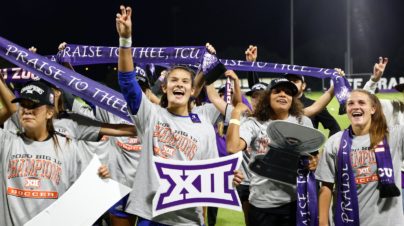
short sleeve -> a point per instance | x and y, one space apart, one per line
326 169
209 111
146 111
248 131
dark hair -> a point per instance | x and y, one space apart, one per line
51 130
164 100
378 129
398 106
263 110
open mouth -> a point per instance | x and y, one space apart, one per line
178 93
357 114
282 101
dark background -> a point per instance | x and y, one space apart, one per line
230 25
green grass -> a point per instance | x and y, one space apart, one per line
342 120
233 218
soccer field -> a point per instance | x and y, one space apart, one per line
233 218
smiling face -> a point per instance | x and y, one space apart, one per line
360 110
281 99
179 88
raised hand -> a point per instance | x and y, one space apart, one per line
251 53
124 22
62 46
231 74
32 49
210 48
241 109
378 68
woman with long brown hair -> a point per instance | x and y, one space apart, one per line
362 166
38 164
272 203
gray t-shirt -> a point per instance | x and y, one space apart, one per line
246 161
34 174
265 193
72 125
393 116
209 110
172 137
373 210
124 151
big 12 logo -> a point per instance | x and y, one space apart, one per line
196 183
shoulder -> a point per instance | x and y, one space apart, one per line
251 121
8 134
306 121
334 140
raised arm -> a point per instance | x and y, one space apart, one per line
152 97
215 98
117 130
237 87
251 55
61 47
323 101
320 103
199 79
378 70
234 143
130 88
124 29
199 83
6 96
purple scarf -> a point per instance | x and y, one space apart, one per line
402 180
307 211
64 78
347 210
86 55
193 55
341 84
221 143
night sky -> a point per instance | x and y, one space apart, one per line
230 25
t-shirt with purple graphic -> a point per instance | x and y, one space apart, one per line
265 193
34 174
168 136
373 210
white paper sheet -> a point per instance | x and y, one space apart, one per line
86 200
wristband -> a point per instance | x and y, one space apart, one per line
125 42
372 78
234 121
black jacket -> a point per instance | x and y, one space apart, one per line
324 117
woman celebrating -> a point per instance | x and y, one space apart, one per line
272 203
168 131
38 165
364 164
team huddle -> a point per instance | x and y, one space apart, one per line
48 137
